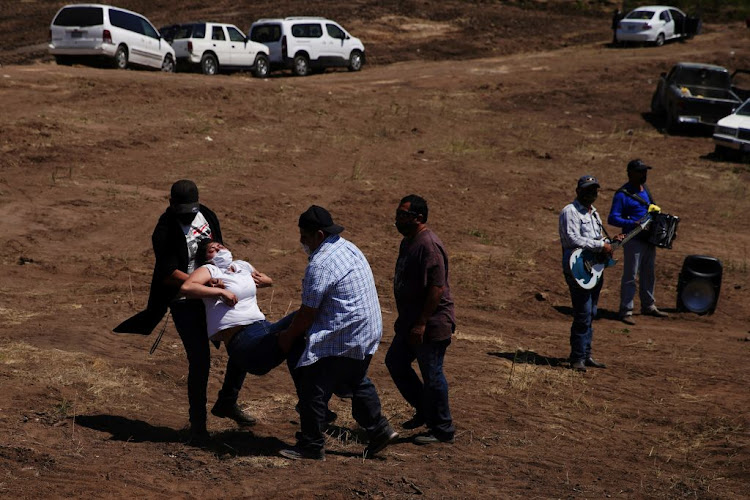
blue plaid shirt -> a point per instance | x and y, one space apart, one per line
338 283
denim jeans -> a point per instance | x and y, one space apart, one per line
345 377
190 321
255 349
584 310
639 258
428 396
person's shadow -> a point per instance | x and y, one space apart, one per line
600 313
530 358
234 442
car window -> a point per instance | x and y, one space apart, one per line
335 32
703 77
664 16
264 33
217 33
235 35
147 29
80 16
744 110
125 20
307 30
641 14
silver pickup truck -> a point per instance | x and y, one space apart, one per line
696 94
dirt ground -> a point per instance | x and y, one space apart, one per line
493 138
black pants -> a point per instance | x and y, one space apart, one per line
345 377
190 320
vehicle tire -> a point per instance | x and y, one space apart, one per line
301 66
121 57
262 66
209 64
168 65
656 105
355 61
659 40
672 125
721 152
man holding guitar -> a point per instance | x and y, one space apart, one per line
581 228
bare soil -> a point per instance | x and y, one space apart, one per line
489 111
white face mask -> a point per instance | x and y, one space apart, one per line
306 249
222 259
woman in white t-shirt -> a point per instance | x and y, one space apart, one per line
232 312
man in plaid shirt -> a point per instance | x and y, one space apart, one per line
342 325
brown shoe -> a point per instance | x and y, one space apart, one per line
653 311
627 318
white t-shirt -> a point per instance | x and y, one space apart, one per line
238 280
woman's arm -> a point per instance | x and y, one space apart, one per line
261 280
195 287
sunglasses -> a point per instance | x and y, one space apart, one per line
403 214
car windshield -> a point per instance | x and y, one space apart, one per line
197 30
640 14
744 110
79 16
704 78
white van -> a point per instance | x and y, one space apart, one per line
305 44
119 35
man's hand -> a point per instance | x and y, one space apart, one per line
228 297
416 334
216 283
607 249
619 237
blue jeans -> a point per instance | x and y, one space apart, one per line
639 259
255 348
584 310
345 377
428 396
190 321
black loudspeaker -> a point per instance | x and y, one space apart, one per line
699 284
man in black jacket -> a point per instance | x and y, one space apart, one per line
175 240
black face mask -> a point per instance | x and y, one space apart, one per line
588 199
406 228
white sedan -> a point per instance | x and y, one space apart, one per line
656 24
733 132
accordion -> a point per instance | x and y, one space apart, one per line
663 230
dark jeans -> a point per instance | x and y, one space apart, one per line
428 396
256 348
345 377
190 320
584 310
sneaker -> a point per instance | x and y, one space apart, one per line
432 439
379 442
297 453
653 311
234 412
627 318
414 422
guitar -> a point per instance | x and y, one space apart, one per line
587 267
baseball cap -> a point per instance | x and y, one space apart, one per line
184 197
587 181
637 165
315 218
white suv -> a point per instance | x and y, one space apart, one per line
216 46
308 43
93 30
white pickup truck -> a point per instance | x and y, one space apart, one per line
215 47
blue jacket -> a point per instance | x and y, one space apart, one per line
626 211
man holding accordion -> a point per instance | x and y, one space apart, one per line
629 205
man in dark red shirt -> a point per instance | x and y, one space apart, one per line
425 323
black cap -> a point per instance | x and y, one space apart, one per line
315 218
184 197
587 181
638 166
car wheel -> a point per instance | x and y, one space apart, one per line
659 40
301 66
655 104
355 61
121 57
672 125
64 60
209 65
168 65
721 152
262 67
